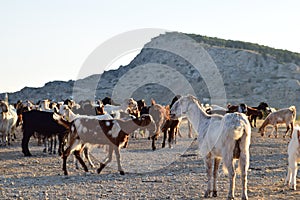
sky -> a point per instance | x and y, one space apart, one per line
42 41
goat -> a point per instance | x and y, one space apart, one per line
43 123
171 126
44 105
49 140
253 114
71 103
141 104
264 107
160 115
21 107
85 108
220 137
8 121
170 129
67 114
128 106
241 108
293 158
215 109
285 115
114 133
108 100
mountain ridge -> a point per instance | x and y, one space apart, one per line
249 76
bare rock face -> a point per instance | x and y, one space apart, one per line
174 63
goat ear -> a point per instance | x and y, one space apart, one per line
153 102
4 107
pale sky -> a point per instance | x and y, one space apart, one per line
42 41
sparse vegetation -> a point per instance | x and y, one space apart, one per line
283 56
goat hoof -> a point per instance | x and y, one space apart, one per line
122 172
100 168
66 173
207 194
215 194
27 155
153 148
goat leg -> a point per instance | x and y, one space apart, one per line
164 139
153 142
118 156
25 142
65 165
77 155
209 168
106 160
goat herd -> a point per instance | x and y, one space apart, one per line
223 133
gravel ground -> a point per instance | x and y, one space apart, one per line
177 173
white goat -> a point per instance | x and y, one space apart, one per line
44 105
127 105
220 137
294 158
8 121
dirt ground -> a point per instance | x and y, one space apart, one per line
177 173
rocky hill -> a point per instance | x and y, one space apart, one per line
176 63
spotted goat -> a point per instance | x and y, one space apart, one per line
114 133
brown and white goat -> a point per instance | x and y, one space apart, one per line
114 133
294 158
283 116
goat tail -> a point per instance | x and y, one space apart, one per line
293 110
239 147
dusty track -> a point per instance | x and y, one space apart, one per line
41 177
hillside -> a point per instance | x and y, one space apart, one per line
221 71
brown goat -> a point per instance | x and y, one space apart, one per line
283 116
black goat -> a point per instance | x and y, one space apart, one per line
44 124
